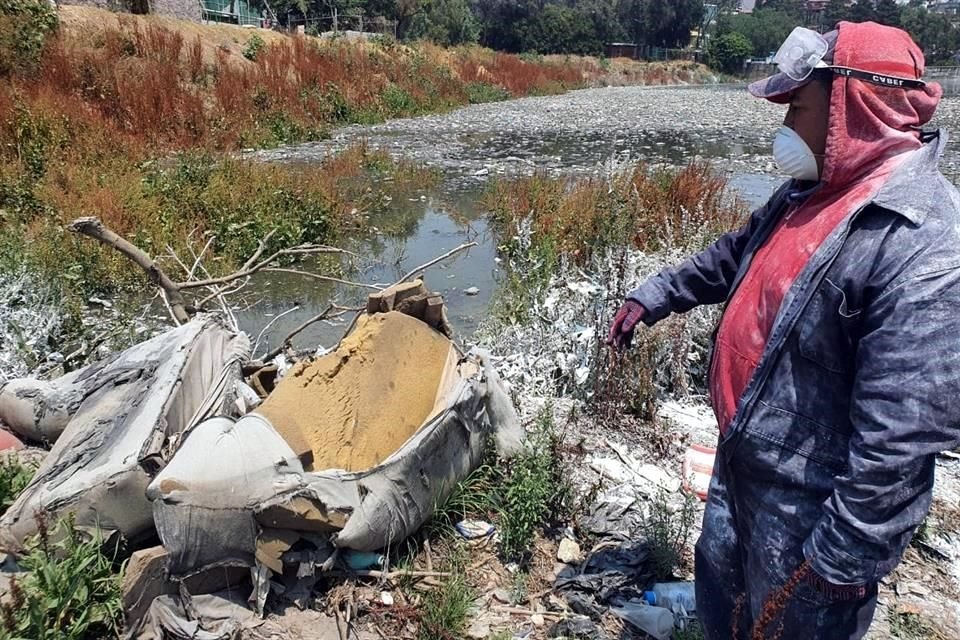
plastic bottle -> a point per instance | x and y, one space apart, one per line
656 621
364 559
672 596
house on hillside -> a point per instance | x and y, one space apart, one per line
950 8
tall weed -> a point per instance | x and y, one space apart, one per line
70 591
14 478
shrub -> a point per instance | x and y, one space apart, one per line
667 532
14 478
444 611
480 92
25 26
729 51
254 44
534 487
69 593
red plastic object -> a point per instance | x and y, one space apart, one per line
9 441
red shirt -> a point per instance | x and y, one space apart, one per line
749 317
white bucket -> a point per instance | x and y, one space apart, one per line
698 469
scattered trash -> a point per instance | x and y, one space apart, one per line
364 559
349 453
538 620
679 597
615 514
698 469
580 628
386 598
656 621
472 291
473 529
568 551
609 574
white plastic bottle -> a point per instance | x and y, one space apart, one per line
672 596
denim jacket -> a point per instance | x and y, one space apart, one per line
858 388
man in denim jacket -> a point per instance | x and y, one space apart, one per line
835 375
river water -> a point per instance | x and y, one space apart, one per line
584 132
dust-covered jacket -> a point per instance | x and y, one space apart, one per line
858 388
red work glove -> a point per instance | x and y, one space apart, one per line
621 330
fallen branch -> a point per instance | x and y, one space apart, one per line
247 271
256 343
517 611
324 315
427 265
94 228
316 276
385 575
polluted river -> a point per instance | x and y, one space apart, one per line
583 133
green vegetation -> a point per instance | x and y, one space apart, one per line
912 626
69 593
254 45
767 26
667 532
444 612
520 495
14 477
534 487
520 26
693 631
729 51
24 27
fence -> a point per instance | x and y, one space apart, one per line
240 12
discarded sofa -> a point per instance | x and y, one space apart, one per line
121 420
351 451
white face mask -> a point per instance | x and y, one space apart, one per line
793 156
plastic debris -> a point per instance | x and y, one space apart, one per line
580 628
656 621
679 597
473 529
364 559
568 551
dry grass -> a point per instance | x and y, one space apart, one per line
125 116
645 209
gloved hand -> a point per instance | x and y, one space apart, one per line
621 330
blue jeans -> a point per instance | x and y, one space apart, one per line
750 548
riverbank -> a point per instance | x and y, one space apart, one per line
114 105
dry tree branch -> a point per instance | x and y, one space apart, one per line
92 227
316 276
429 264
273 321
332 311
263 264
412 273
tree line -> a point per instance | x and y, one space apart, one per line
520 26
585 26
758 34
